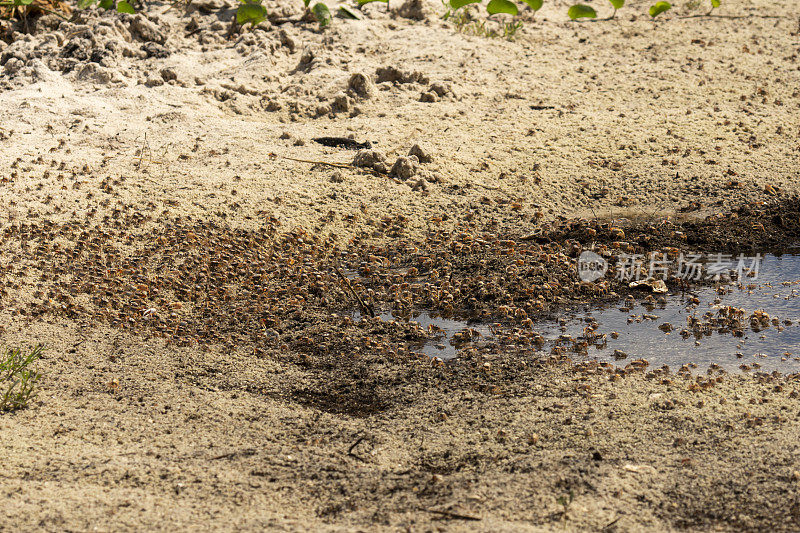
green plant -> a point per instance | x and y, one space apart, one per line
122 6
17 380
493 26
349 13
714 5
583 11
250 11
322 14
535 5
565 501
658 8
579 11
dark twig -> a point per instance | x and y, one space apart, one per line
452 515
709 15
244 453
353 447
364 307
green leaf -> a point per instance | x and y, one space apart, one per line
363 2
252 13
502 6
458 4
322 13
22 2
83 4
536 5
715 3
659 7
107 4
125 7
581 11
349 13
617 3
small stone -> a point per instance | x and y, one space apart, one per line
287 41
285 135
13 65
405 167
361 85
428 98
146 30
340 104
154 82
421 153
414 10
307 59
440 89
395 75
169 74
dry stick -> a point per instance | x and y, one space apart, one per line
704 15
452 515
353 447
364 307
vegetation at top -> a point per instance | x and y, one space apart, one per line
502 16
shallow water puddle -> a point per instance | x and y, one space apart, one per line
662 334
704 326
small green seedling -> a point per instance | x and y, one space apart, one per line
349 13
322 14
535 5
17 380
458 4
617 4
579 11
122 6
251 11
714 5
658 8
565 501
364 2
490 27
507 7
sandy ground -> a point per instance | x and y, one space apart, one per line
128 127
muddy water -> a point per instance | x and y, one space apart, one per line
638 330
765 347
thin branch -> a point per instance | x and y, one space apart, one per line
710 15
452 515
364 307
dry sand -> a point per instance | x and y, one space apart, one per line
171 119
